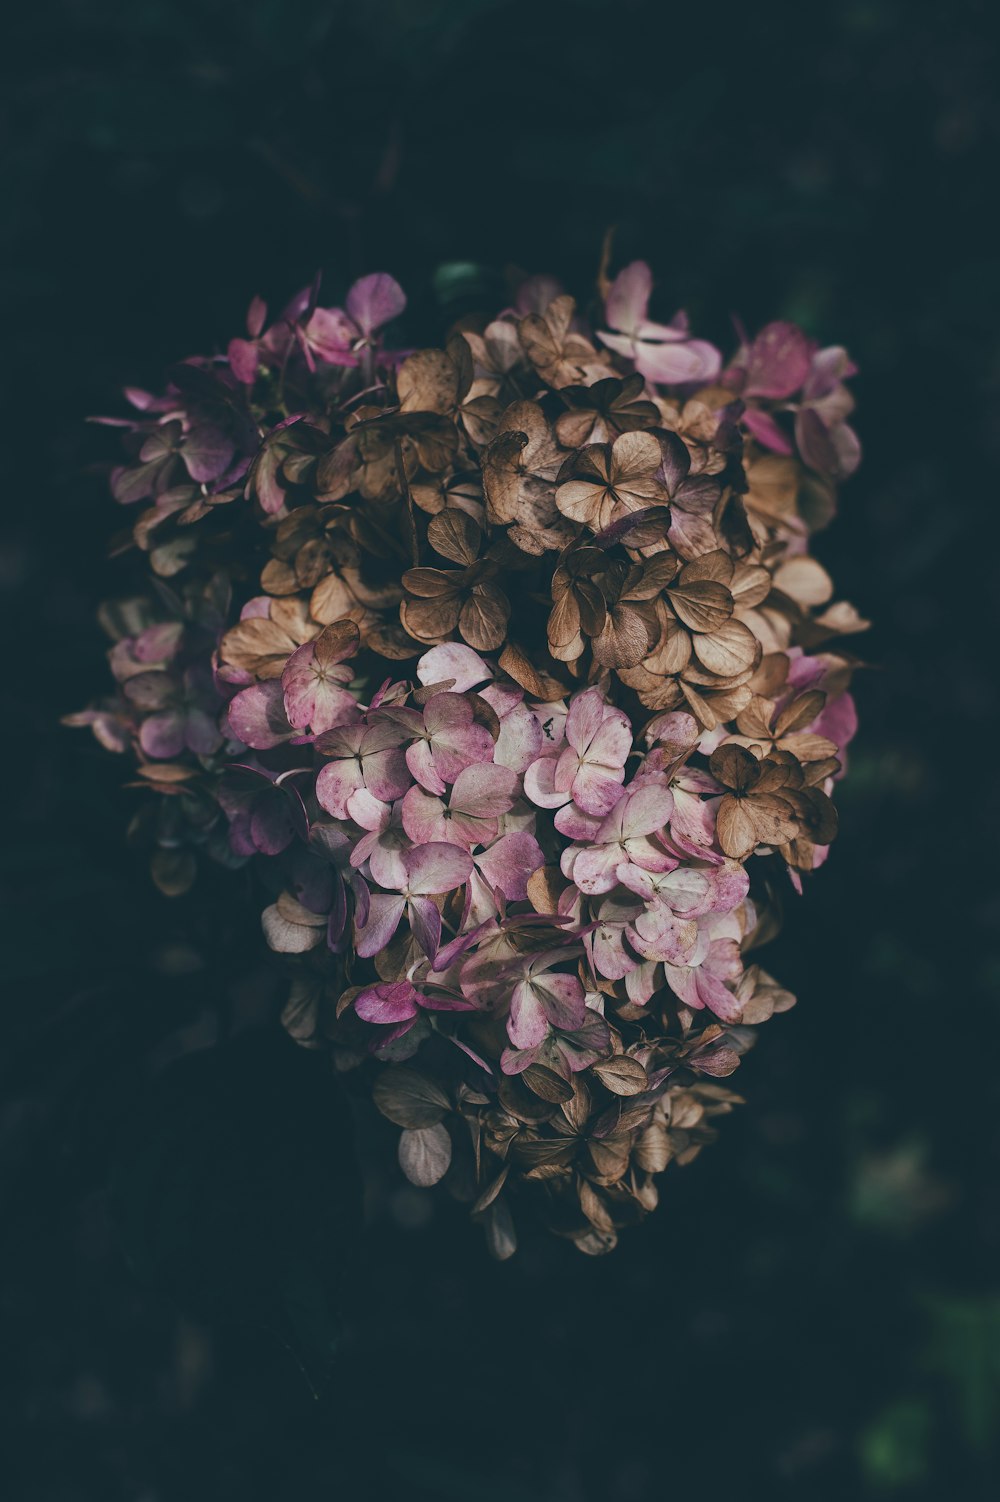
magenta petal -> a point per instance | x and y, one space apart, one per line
390 1002
375 300
766 431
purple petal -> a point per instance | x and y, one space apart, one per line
375 300
425 924
256 716
389 1002
382 922
436 867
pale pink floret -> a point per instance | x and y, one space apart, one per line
367 772
662 352
625 839
590 769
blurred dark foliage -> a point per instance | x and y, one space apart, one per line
814 1312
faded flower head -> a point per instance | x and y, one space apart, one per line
507 666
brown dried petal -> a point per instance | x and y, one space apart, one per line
484 616
427 381
425 1154
455 536
621 1075
409 1098
702 604
729 651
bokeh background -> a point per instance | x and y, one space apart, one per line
814 1312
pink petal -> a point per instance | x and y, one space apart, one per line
386 773
420 761
424 818
676 364
539 784
486 791
647 810
596 789
779 361
162 735
312 700
331 334
585 718
527 1024
243 360
455 660
520 738
594 870
509 862
335 783
611 745
436 867
766 431
562 999
628 297
256 716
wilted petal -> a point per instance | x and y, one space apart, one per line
436 867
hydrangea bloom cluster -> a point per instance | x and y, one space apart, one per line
508 667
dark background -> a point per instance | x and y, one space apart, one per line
814 1312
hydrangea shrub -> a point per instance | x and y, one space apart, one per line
508 667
